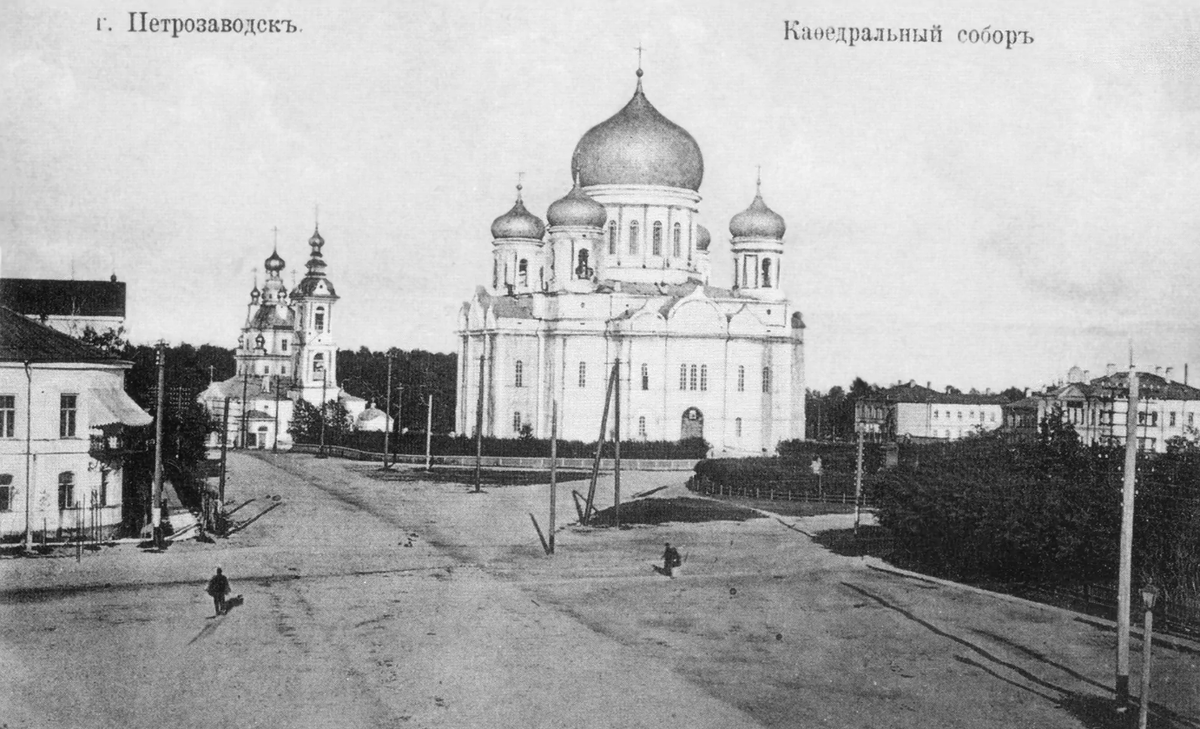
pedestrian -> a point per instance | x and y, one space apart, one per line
671 561
218 588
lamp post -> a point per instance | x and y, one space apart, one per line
1149 596
387 407
324 385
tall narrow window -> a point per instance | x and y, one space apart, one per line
641 426
677 241
66 416
319 319
6 492
633 237
682 377
318 366
8 415
766 273
66 490
283 345
737 427
656 247
583 374
523 273
612 237
766 379
516 422
703 377
519 374
645 377
741 378
692 378
103 495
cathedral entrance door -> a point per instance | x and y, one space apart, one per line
693 424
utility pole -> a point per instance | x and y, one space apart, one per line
245 405
275 436
553 466
587 511
858 481
28 460
156 486
479 428
324 385
387 406
1124 577
429 435
617 443
224 446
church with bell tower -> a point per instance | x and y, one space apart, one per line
619 273
286 352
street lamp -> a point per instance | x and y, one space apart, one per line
1149 596
324 384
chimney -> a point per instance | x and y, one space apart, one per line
1110 369
928 384
1158 371
1170 371
1087 375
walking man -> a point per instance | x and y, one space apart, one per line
671 561
218 588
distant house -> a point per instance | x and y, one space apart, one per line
1021 419
63 410
1096 408
67 306
910 411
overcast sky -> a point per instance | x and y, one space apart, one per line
962 214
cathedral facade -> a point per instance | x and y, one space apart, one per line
618 274
286 353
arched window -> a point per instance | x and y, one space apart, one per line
766 273
692 378
495 273
766 379
583 374
519 374
656 247
523 273
633 237
677 241
741 378
283 345
737 427
641 426
318 366
583 270
703 377
682 377
612 237
645 377
542 278
66 490
319 319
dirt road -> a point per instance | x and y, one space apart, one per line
384 604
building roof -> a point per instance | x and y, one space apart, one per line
55 297
1149 386
913 393
1025 403
267 317
22 340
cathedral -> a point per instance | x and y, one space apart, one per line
618 274
286 353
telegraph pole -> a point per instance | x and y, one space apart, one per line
553 465
1124 578
245 385
429 434
324 385
387 427
858 481
156 486
224 446
479 428
275 438
617 443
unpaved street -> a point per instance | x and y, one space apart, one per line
384 604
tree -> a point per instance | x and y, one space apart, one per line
110 341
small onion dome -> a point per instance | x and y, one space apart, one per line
273 264
758 221
254 293
316 241
703 238
576 208
518 223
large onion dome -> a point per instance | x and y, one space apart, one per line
758 221
576 208
638 146
273 264
518 223
703 238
